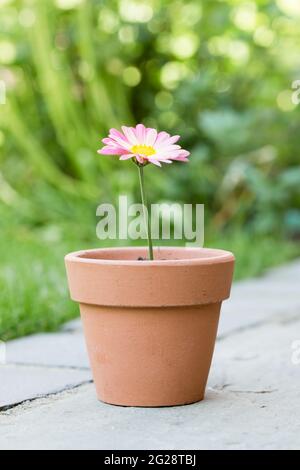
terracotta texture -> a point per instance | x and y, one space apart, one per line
150 326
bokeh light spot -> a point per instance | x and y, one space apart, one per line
108 21
264 36
244 16
127 34
67 4
115 66
132 76
185 45
238 51
164 100
136 11
8 52
168 119
27 17
285 101
289 7
172 73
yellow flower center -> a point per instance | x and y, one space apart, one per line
143 149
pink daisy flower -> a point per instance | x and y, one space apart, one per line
145 145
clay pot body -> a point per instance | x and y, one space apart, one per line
150 326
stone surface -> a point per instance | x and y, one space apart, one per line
289 272
252 400
24 383
254 301
54 349
73 325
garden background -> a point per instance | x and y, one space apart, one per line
217 72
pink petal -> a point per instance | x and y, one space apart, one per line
168 151
170 155
107 150
154 161
107 141
119 138
164 160
161 136
174 139
174 154
112 143
126 156
161 149
115 134
130 135
180 158
151 135
140 159
140 132
184 153
134 135
167 142
168 148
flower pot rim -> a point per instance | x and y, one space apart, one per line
200 276
186 256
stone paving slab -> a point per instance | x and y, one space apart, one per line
256 301
73 325
289 271
252 402
49 349
24 383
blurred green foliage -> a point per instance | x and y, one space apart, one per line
217 72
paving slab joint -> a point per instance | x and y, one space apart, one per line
4 409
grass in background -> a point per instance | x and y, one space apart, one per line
33 287
255 254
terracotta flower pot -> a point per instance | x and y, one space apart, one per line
150 326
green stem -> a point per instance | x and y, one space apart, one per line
145 209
